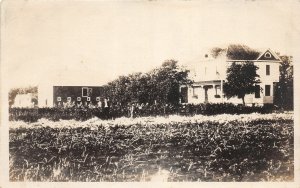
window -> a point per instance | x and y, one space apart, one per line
257 91
267 90
84 92
217 87
78 98
268 55
58 98
195 91
88 99
69 99
267 69
97 98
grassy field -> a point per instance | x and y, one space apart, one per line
253 147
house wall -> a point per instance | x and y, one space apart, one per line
45 95
267 79
274 71
198 96
249 98
23 101
210 69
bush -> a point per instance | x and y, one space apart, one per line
54 114
82 114
223 108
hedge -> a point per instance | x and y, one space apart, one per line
55 114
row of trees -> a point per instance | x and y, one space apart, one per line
160 85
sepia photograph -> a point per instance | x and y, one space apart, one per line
149 92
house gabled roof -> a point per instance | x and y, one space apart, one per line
268 55
241 52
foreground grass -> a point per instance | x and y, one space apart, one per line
251 147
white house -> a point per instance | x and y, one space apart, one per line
210 74
23 101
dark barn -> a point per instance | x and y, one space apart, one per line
77 94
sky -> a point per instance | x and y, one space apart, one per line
93 42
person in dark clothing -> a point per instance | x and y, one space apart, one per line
106 108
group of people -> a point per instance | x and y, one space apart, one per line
106 109
102 103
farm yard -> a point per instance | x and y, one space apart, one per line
160 125
224 147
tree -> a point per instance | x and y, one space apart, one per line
284 94
166 80
241 80
217 51
160 84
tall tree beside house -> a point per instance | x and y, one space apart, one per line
160 85
166 80
284 94
241 80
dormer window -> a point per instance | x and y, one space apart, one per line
268 55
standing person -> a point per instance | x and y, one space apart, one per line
99 104
141 109
90 105
131 110
100 108
80 104
106 109
73 104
